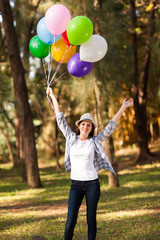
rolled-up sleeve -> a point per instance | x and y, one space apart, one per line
62 124
107 131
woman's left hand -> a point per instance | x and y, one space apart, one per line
127 103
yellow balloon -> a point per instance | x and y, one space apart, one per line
61 52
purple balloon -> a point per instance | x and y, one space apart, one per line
78 68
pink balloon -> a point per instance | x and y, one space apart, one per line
57 18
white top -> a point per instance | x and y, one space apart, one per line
81 156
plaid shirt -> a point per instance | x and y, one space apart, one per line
101 160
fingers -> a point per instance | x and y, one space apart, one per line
128 102
124 101
49 91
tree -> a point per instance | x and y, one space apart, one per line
140 77
21 96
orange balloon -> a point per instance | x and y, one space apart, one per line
61 52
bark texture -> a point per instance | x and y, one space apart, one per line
21 96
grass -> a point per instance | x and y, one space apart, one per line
130 212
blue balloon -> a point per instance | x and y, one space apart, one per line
44 34
77 67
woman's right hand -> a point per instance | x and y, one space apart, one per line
49 91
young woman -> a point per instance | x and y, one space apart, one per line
84 157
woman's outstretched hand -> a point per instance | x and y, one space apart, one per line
49 91
127 103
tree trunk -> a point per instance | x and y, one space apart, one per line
58 166
108 143
21 95
113 180
151 131
17 134
20 159
139 88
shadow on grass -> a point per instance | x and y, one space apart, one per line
39 206
10 180
51 227
144 227
129 204
26 220
12 187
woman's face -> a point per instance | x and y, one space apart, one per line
85 127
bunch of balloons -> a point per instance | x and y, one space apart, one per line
58 35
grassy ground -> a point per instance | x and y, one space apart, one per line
130 212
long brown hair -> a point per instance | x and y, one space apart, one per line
91 134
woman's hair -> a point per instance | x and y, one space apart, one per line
91 134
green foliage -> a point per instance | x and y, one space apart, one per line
6 85
6 112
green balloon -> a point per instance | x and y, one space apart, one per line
79 30
38 48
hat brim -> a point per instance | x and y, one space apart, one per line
78 122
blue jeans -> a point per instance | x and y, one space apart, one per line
91 191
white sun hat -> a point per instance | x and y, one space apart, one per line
87 117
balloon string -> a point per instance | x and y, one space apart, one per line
60 63
50 104
50 84
49 66
66 52
44 68
55 72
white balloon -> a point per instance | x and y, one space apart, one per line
94 49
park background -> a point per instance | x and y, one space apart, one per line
34 187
